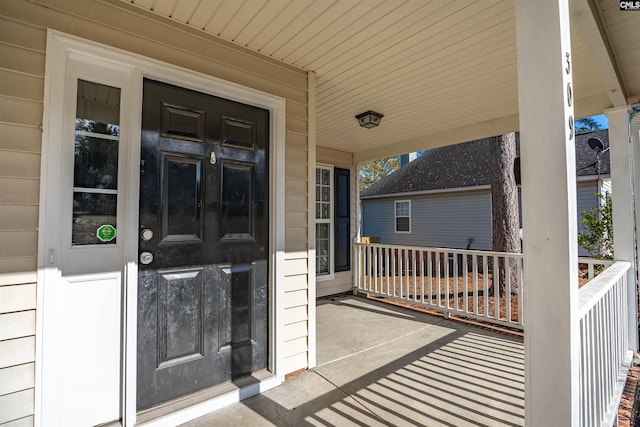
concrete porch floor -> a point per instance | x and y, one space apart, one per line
381 365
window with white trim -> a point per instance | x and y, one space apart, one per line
324 225
403 216
95 172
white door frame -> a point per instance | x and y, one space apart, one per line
63 49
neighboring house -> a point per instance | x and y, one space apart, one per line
443 198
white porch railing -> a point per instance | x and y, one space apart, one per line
449 280
593 266
462 282
605 355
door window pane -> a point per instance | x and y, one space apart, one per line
96 162
95 173
322 248
90 212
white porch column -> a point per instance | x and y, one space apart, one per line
547 144
621 156
635 168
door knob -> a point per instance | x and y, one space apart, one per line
146 234
146 258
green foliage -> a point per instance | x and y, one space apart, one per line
598 235
586 124
373 170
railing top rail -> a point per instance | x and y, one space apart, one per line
589 260
434 249
594 290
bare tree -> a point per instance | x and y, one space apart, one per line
504 206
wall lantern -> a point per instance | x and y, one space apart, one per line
369 119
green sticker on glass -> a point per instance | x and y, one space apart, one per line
106 233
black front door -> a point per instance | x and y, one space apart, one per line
204 227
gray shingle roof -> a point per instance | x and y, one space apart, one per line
469 165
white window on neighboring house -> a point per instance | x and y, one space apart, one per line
324 225
403 216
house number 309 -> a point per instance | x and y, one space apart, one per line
569 94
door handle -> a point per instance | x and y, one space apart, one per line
146 258
212 158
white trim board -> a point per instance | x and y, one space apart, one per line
62 50
425 192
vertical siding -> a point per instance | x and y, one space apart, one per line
22 47
342 281
437 220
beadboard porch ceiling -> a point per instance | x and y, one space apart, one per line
441 72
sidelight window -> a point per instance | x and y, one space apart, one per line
324 228
95 173
333 221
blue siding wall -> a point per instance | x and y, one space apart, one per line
448 220
440 220
586 200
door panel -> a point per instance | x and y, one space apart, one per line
237 205
181 202
203 300
180 315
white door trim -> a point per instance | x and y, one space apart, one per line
63 48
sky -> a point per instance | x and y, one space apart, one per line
602 120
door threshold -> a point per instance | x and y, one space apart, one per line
203 402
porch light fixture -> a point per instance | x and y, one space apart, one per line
369 119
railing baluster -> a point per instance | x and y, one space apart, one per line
415 275
393 269
421 263
365 268
496 288
597 363
591 412
430 275
456 291
474 260
446 279
507 293
520 291
465 272
385 253
485 292
374 260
